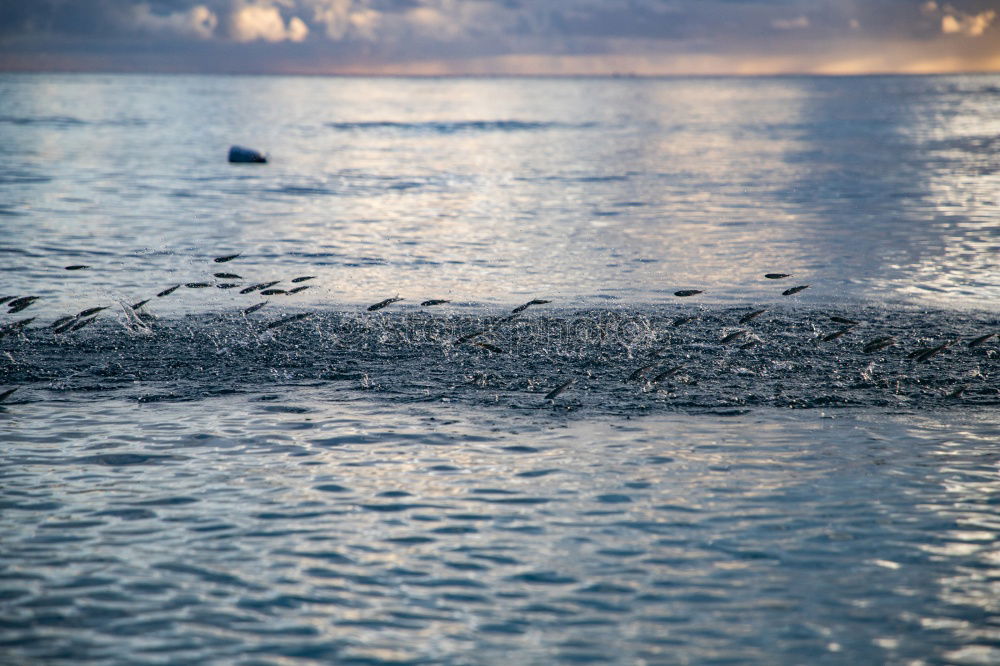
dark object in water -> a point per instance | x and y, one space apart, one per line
241 155
491 348
434 301
680 321
228 276
382 304
14 327
80 324
522 308
6 394
90 311
794 290
957 393
303 278
980 340
4 299
688 292
751 316
76 267
298 289
777 276
228 257
62 320
927 354
254 308
289 320
197 285
637 374
836 334
551 395
167 292
62 328
19 304
470 336
878 343
667 373
255 287
228 285
136 306
844 320
732 337
272 292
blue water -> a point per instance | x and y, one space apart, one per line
184 481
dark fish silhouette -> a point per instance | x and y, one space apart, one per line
878 344
522 308
688 292
751 316
836 334
272 292
289 320
382 304
303 278
551 395
667 373
4 299
732 337
14 327
254 308
6 394
90 311
488 347
298 289
228 285
776 276
794 290
62 320
262 285
228 257
844 320
470 336
680 321
80 324
65 327
927 354
434 301
197 285
76 267
227 276
136 306
19 304
980 340
167 292
638 373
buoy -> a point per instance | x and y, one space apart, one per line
245 155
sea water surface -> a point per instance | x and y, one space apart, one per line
616 474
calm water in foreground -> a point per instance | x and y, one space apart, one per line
182 482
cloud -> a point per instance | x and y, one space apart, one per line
971 25
790 24
198 21
344 18
263 21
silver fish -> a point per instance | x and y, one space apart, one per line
298 289
688 292
228 257
794 290
167 292
382 304
777 276
522 308
732 337
303 278
751 316
551 395
289 320
254 308
980 340
434 301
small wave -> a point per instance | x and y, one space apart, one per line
452 127
65 122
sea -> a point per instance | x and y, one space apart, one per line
484 371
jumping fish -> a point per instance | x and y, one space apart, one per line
470 336
688 292
62 320
228 276
980 340
254 308
197 285
732 337
638 373
680 321
6 394
551 395
65 327
382 304
90 311
4 299
777 276
76 267
298 289
491 348
303 278
929 353
14 327
836 334
794 290
844 320
522 308
434 301
751 316
667 373
80 324
255 287
289 320
228 257
19 304
228 285
167 292
136 306
878 344
272 292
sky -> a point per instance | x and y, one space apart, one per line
501 37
